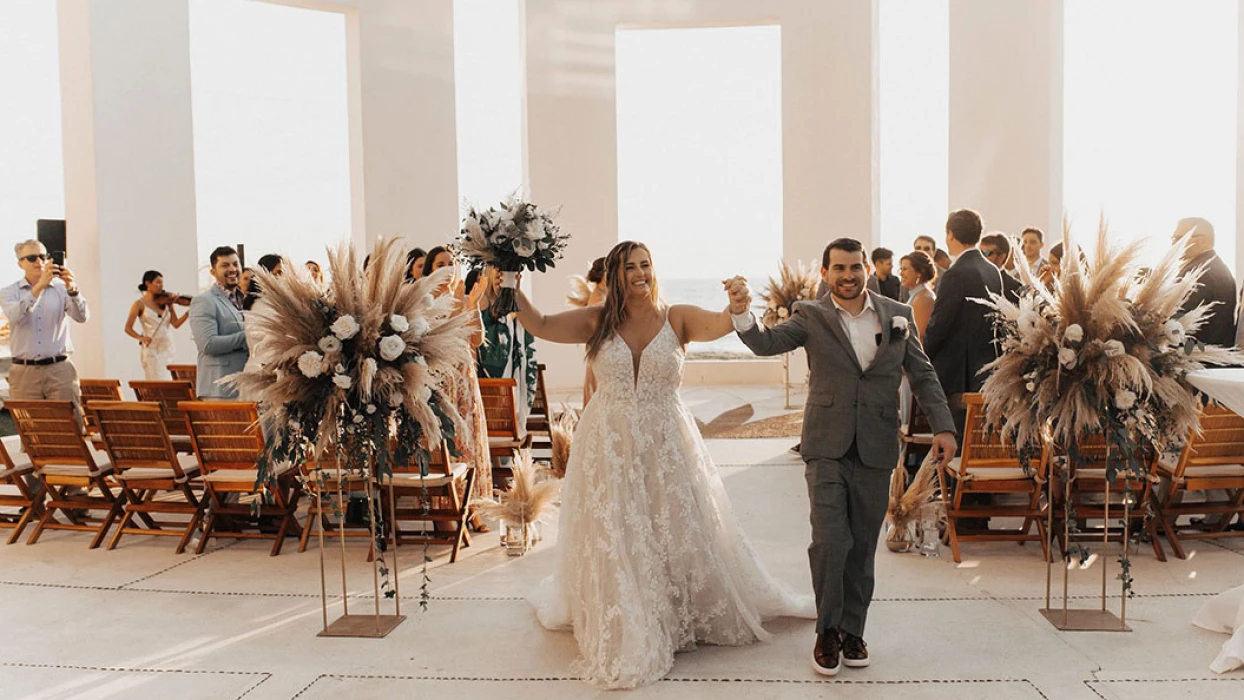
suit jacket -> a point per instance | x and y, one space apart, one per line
216 325
1011 287
960 335
1218 285
848 403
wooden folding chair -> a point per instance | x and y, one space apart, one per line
228 441
1212 461
916 431
1093 497
184 373
445 491
538 418
986 466
505 436
51 433
19 488
153 476
168 394
97 390
321 477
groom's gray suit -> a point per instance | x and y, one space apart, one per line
851 441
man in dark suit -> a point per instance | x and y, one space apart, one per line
997 249
1217 284
959 339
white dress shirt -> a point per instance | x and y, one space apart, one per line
39 326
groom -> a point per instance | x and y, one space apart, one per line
859 345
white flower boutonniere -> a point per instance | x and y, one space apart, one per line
900 327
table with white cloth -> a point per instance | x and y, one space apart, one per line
1225 613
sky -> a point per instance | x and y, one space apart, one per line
1149 126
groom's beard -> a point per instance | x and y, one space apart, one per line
850 292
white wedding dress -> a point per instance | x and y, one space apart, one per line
650 558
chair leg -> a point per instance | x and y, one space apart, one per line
124 523
1152 528
952 535
1168 526
21 524
208 526
118 505
48 512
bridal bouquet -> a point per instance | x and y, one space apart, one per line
349 367
517 236
1105 354
794 284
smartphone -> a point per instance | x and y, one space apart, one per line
58 258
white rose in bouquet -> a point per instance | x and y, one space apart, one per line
1114 348
1125 400
398 323
1174 332
1067 357
1028 323
420 327
392 347
330 344
524 246
342 381
345 327
1074 333
311 364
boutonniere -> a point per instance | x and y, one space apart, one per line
899 328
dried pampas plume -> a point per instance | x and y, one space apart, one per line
910 504
561 431
793 284
526 500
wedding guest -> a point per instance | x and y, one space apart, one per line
997 249
39 307
595 277
508 351
157 317
1217 286
438 257
882 280
1031 241
244 282
1053 267
317 275
270 262
414 263
917 272
216 325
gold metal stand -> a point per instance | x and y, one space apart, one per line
1082 619
374 625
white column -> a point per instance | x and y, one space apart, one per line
129 166
1239 155
828 125
1006 112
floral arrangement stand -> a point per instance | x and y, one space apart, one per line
348 374
1099 359
793 284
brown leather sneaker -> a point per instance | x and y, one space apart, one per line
825 653
854 651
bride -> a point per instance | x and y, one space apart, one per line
650 558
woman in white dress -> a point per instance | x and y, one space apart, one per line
157 317
650 558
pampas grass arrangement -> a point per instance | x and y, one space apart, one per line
523 505
561 431
793 284
909 505
1105 352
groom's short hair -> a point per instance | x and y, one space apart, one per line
847 245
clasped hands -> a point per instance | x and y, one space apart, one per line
740 294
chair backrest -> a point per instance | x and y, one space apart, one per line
918 422
500 407
440 462
226 434
98 390
1221 440
984 449
540 402
185 373
167 394
134 435
51 433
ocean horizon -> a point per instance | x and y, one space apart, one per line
708 294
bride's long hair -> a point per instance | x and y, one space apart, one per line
614 311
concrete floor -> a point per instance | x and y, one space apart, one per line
141 622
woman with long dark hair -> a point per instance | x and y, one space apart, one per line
157 317
650 557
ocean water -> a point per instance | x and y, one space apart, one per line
708 294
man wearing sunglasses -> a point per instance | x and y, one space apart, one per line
38 307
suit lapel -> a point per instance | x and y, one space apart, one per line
830 313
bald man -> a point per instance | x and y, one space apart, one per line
1217 284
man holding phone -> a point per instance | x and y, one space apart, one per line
38 307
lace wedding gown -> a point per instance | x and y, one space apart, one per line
650 558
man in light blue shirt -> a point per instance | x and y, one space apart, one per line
39 307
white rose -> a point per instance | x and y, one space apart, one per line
1074 333
371 408
358 417
345 327
782 312
1114 348
420 327
1067 357
1174 331
1028 322
1031 386
329 343
524 246
398 323
392 347
339 368
898 323
311 364
342 381
1125 399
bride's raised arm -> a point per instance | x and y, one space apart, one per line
574 326
695 325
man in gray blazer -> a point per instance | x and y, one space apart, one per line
859 346
216 323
